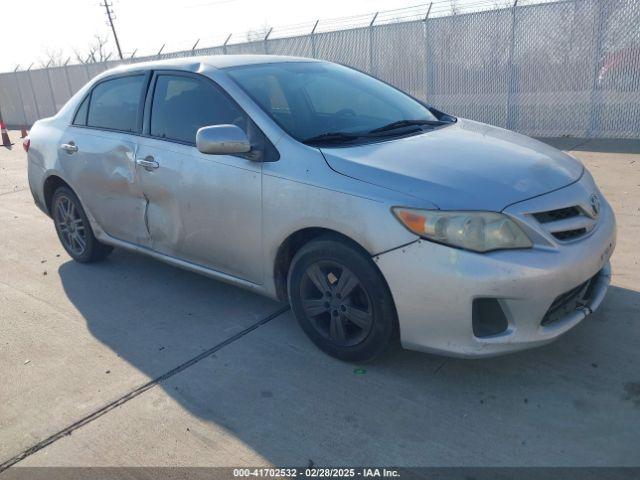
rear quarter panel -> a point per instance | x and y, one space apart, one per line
42 158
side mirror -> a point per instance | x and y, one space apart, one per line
222 140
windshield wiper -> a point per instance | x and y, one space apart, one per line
331 137
338 137
407 123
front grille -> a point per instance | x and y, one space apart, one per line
568 301
567 223
569 234
559 214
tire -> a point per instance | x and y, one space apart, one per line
354 319
74 229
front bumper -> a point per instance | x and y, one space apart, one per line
434 286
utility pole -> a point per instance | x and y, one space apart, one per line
108 7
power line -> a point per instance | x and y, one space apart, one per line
108 7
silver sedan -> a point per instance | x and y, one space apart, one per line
376 216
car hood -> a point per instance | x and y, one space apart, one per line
464 166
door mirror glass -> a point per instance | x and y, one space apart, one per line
222 140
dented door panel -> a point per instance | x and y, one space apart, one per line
205 209
103 172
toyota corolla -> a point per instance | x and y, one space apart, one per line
376 216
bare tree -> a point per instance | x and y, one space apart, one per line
256 35
52 58
96 52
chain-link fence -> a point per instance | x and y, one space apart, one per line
551 69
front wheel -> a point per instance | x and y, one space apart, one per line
341 300
74 230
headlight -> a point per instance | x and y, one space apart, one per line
477 231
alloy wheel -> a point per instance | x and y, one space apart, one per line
71 225
336 302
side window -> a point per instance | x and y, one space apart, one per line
114 103
181 105
81 114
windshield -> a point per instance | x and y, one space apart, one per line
317 102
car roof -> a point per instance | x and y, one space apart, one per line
197 63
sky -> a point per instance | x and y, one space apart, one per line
44 26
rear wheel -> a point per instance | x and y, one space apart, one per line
341 300
74 230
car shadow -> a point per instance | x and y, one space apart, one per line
292 404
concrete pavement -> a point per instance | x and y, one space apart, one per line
80 344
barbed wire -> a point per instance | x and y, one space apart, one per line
418 12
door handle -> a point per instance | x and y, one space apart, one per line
148 163
69 147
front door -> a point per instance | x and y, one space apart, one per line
205 209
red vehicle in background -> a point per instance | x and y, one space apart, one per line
620 70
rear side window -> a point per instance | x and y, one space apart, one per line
81 114
114 104
182 105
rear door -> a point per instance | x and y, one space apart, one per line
205 209
98 156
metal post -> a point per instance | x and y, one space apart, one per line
24 113
373 20
595 110
428 87
67 79
53 97
224 45
426 17
33 92
313 39
266 37
107 7
86 68
511 80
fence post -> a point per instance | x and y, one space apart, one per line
24 113
86 68
428 84
313 39
510 120
373 20
266 38
224 45
67 79
53 97
595 110
33 92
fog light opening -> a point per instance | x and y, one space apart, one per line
488 318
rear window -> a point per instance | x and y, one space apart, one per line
114 104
